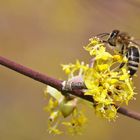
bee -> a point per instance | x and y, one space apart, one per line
123 43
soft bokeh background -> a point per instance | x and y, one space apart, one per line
42 34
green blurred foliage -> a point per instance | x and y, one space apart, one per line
42 34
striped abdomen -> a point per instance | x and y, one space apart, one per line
133 56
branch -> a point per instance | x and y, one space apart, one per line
56 83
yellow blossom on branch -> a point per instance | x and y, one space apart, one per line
60 107
105 81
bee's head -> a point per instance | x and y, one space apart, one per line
112 37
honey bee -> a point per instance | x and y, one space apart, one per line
123 43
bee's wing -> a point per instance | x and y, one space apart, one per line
136 42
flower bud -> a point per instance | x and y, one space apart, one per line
67 106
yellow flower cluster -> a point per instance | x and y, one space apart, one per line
105 81
60 108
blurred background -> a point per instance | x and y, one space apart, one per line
42 34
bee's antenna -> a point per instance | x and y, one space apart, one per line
102 35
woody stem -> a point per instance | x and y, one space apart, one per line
56 84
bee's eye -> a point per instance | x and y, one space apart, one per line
113 35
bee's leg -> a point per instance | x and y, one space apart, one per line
122 49
121 65
92 61
118 67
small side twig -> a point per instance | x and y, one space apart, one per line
56 83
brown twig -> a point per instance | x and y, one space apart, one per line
56 83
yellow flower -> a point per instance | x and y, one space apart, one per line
54 115
94 46
52 104
75 126
67 68
106 111
103 67
54 130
